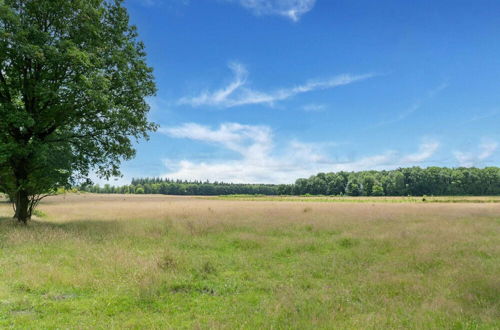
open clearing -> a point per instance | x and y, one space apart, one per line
132 261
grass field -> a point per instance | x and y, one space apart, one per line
362 199
132 261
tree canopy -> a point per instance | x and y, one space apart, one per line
414 181
73 83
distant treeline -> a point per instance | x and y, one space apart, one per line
180 187
414 181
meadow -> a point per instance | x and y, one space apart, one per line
154 261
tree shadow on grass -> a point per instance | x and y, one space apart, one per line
91 230
97 229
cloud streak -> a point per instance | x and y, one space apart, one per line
247 140
486 149
237 93
425 150
291 9
259 161
313 107
415 106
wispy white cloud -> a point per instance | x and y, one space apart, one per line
486 149
236 93
247 140
147 3
436 90
425 150
260 161
483 115
291 9
312 152
415 106
172 6
314 107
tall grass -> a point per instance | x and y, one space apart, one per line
178 262
362 199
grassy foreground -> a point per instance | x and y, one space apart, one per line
121 261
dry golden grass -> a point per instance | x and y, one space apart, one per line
164 261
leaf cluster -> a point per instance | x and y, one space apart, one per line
73 87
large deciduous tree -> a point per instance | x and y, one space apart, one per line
73 83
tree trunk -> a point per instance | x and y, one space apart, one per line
23 212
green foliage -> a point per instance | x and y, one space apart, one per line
179 187
73 82
354 188
378 190
414 181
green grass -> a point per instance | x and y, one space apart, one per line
225 264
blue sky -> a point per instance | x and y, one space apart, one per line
273 90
